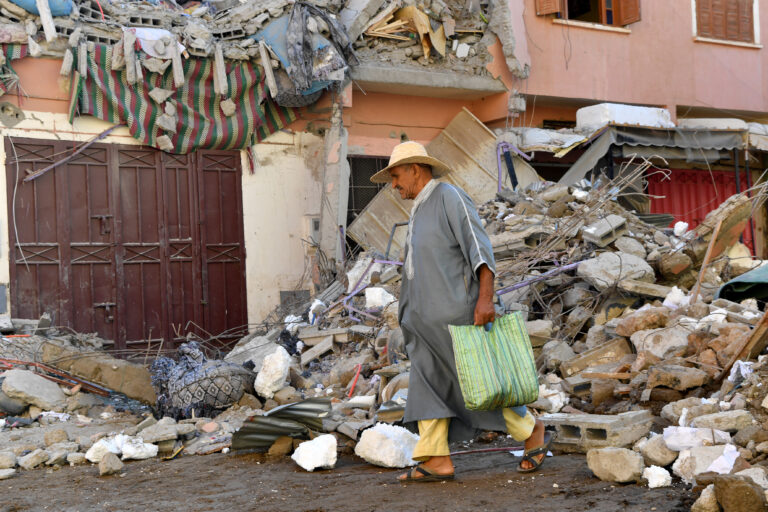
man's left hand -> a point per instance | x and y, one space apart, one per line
484 312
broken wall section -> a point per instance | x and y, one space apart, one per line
281 200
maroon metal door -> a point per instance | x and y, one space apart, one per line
137 245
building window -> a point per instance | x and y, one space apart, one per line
606 12
361 190
731 20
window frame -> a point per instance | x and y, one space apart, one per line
729 42
618 11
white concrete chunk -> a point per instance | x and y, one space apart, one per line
657 477
683 438
317 453
273 373
389 446
136 449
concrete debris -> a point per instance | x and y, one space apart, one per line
682 438
273 373
7 473
655 452
728 421
739 494
319 453
609 268
697 460
615 464
33 459
109 465
7 460
657 477
33 389
388 446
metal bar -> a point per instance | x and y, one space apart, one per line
392 237
85 384
542 277
510 169
749 186
67 158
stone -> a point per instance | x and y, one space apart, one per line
707 501
694 461
164 143
708 363
7 473
672 411
135 449
155 65
757 474
462 51
676 377
167 123
696 411
731 338
228 107
389 446
282 446
683 438
159 95
739 494
58 435
250 401
650 318
673 264
630 246
76 458
57 457
100 448
656 453
146 422
11 405
615 464
345 369
657 477
285 396
109 465
728 421
539 331
319 453
159 432
7 460
33 459
82 402
273 373
556 352
660 342
609 268
596 335
33 389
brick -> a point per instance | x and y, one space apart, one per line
605 231
582 432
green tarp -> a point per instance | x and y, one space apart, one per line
753 284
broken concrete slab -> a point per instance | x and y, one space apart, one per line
615 464
581 432
661 342
609 268
33 389
728 421
676 377
656 453
316 351
608 352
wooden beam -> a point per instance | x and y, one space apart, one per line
695 295
267 65
82 59
753 345
219 71
176 65
47 20
129 42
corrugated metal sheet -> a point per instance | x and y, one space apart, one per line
689 194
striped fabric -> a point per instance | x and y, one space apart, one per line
9 78
496 369
201 124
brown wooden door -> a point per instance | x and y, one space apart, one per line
135 244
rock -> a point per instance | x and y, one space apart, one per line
285 395
756 474
707 501
82 401
656 453
462 51
661 341
596 335
696 411
672 411
729 421
630 246
76 458
708 363
731 338
696 460
32 460
33 389
344 369
676 377
102 447
135 449
11 405
109 465
317 453
159 95
539 331
739 494
651 318
159 432
615 464
58 435
57 457
273 373
657 477
573 297
282 446
609 268
683 438
7 460
250 401
228 107
556 352
6 473
389 446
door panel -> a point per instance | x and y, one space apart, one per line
135 244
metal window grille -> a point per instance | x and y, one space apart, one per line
361 190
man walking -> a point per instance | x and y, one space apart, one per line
447 280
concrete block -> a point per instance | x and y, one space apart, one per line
581 432
608 352
33 389
605 231
387 445
317 453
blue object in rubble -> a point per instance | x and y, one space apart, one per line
58 7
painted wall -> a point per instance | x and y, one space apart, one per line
657 63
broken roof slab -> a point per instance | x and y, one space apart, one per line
420 82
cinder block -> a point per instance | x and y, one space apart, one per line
605 231
581 432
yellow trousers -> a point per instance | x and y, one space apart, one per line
433 434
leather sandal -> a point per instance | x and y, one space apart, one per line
427 475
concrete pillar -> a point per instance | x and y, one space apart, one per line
333 211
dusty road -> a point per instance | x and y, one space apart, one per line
237 482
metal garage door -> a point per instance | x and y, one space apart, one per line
135 244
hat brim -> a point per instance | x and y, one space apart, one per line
438 168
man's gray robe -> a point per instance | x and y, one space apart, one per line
449 245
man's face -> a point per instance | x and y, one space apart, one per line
405 180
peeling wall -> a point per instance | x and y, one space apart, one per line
279 199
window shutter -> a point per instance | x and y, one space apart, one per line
548 7
704 18
725 19
626 12
746 21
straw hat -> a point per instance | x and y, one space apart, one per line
410 153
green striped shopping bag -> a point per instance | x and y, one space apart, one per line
496 368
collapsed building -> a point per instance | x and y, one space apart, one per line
194 178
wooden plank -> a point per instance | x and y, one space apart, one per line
318 350
47 20
219 71
753 345
384 15
612 375
176 65
697 288
267 64
129 43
